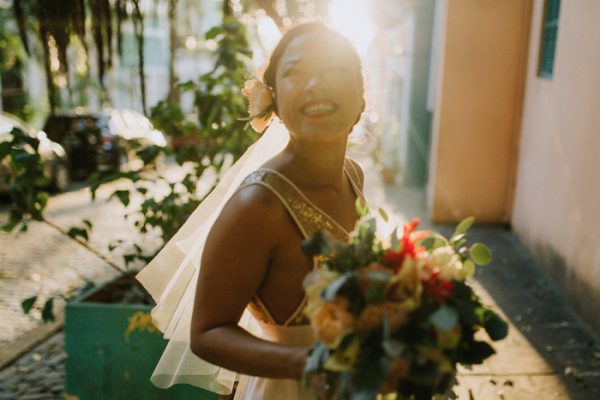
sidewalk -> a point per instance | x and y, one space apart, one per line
547 355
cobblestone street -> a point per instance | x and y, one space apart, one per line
46 262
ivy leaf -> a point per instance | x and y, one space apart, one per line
476 353
123 196
445 318
495 326
28 303
48 310
87 223
74 232
480 254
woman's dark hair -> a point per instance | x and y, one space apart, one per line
301 29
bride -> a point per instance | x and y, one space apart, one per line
248 300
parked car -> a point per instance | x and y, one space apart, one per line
98 141
52 154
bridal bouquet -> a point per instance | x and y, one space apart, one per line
396 316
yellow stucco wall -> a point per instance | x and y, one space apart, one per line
478 108
557 202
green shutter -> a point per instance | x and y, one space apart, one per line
549 35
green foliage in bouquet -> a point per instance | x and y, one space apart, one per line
397 316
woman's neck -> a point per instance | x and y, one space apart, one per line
316 165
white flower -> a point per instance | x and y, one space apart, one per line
445 260
260 103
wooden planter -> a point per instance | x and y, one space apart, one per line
112 350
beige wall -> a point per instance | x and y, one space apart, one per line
557 202
477 109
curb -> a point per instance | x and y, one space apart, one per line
27 341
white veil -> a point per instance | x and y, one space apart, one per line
171 276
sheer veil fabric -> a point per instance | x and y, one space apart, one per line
171 276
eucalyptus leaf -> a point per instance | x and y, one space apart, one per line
361 210
378 283
331 291
444 318
480 254
463 226
317 354
394 241
384 214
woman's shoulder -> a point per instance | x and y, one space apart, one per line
252 203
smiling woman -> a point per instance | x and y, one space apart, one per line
242 251
316 77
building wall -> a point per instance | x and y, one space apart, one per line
477 108
557 202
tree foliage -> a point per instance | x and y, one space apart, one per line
59 23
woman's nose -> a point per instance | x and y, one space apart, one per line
313 82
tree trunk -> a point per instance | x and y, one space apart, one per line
227 10
138 26
173 96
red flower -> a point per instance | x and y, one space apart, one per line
393 258
439 289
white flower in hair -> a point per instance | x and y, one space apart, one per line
260 103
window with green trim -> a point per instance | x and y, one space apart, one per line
549 35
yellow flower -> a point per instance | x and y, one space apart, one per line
260 103
407 283
448 339
344 360
331 320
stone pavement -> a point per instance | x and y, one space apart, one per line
548 354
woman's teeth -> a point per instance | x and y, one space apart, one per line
319 108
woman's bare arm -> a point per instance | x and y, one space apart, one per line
234 263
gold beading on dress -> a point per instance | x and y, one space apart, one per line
309 218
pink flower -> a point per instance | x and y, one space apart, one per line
260 103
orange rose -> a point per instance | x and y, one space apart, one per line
260 102
331 320
372 316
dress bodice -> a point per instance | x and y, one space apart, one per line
308 217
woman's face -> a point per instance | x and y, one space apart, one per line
319 91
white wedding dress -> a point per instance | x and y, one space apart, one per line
171 279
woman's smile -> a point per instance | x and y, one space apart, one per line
317 109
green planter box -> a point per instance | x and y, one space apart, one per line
112 350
